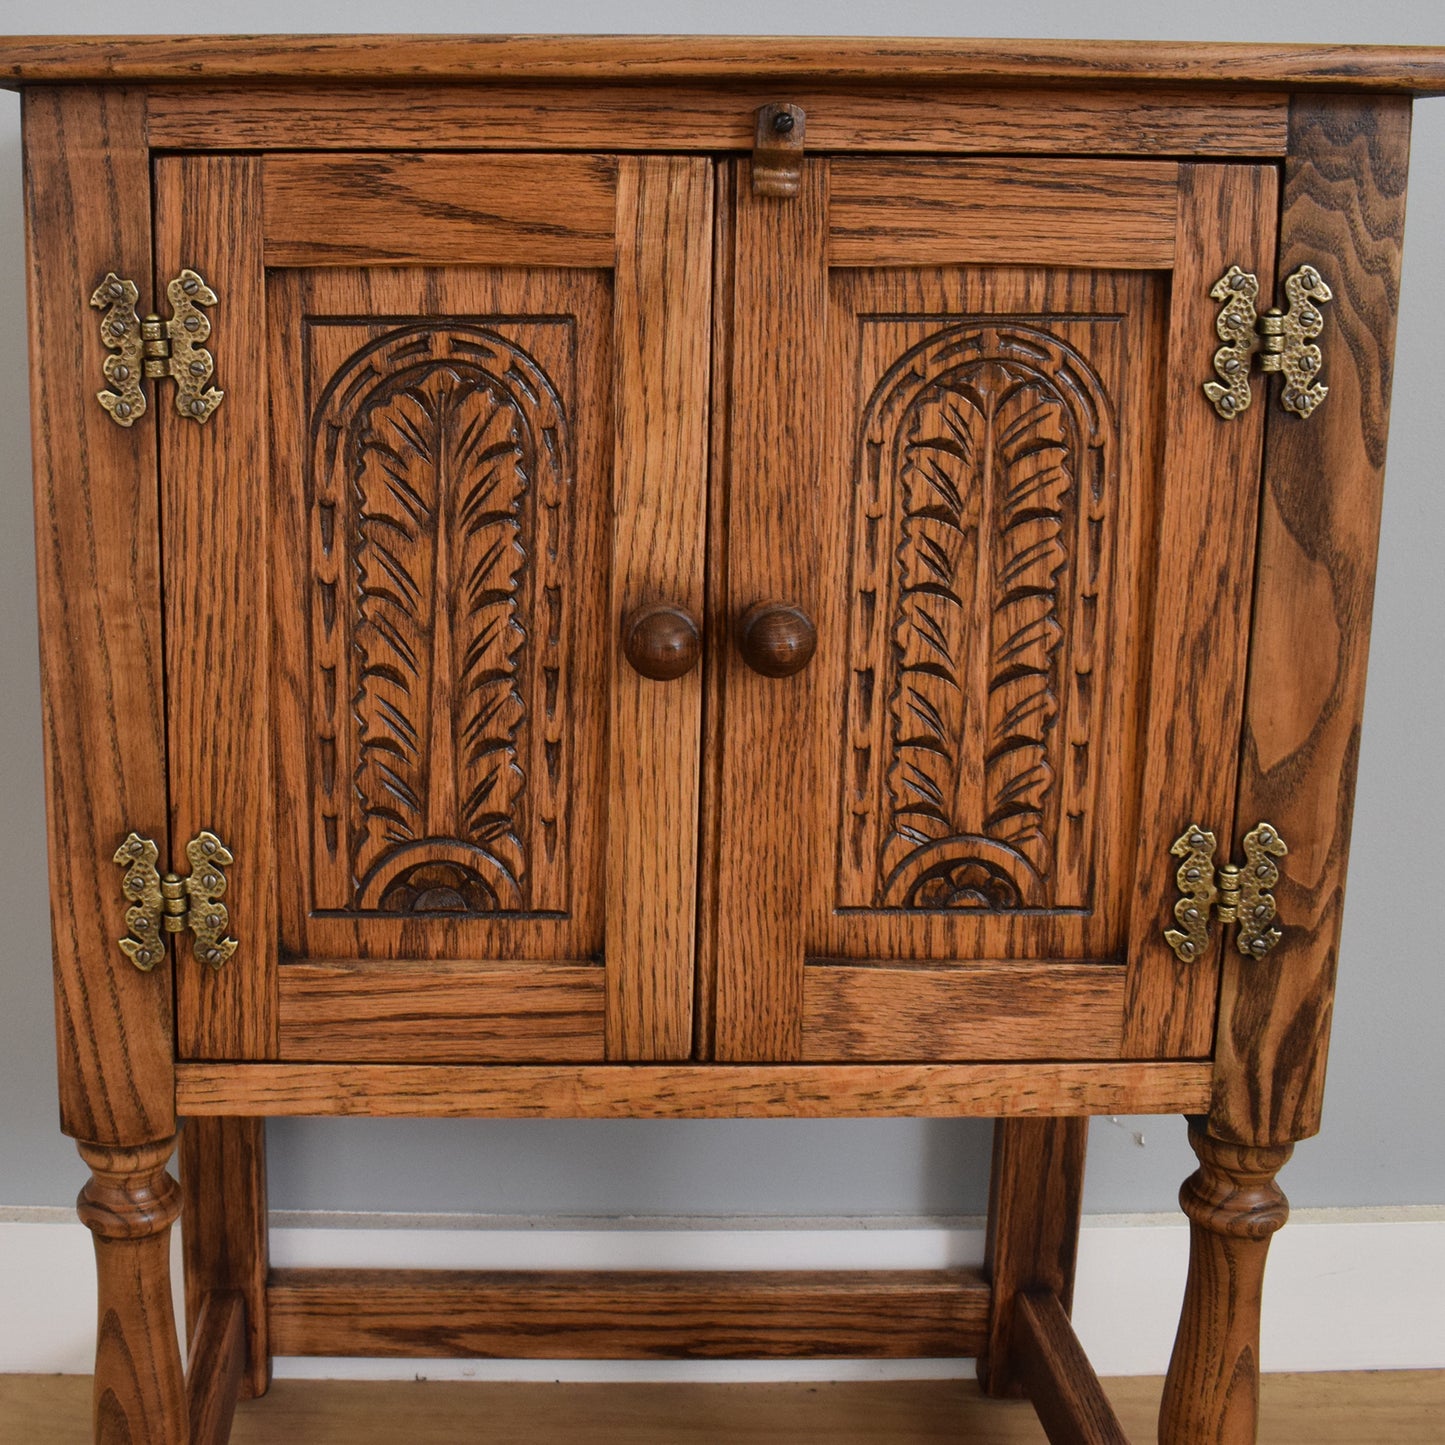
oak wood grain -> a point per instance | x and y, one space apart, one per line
628 1315
435 1012
966 1011
225 1240
369 210
1066 1393
1344 211
129 1204
218 602
214 1367
99 577
423 58
668 117
1035 1203
662 316
662 1091
769 793
1234 1206
1207 510
1118 214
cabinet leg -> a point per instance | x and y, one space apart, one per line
1036 1188
129 1206
1234 1206
224 1238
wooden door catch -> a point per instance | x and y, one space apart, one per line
778 150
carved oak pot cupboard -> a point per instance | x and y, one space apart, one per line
699 578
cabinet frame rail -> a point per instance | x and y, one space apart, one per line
628 1314
693 1091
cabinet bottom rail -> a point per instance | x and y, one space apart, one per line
693 1091
628 1315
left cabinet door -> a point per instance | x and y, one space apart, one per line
463 439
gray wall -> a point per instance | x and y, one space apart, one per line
1380 1141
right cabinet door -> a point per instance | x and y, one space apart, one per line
966 435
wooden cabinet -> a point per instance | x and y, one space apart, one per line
700 580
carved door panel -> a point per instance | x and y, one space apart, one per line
1025 540
463 438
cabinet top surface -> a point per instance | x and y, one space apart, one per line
28 60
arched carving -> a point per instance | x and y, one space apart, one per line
981 469
433 447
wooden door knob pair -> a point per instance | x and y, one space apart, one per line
662 642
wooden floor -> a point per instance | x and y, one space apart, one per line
1406 1408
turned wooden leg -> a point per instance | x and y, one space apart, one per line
129 1206
1211 1395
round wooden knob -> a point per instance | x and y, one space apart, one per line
776 638
661 641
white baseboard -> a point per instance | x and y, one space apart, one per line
1346 1289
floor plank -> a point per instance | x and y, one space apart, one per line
1402 1408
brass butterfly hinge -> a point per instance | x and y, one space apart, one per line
1283 340
152 348
164 901
778 150
1242 894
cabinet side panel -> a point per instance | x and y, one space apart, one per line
217 503
1344 212
87 194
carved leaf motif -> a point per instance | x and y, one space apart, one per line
937 555
985 471
1033 487
439 482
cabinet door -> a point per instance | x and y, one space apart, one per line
463 437
967 437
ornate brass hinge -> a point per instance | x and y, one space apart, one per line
1242 894
778 150
1284 341
155 348
173 903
